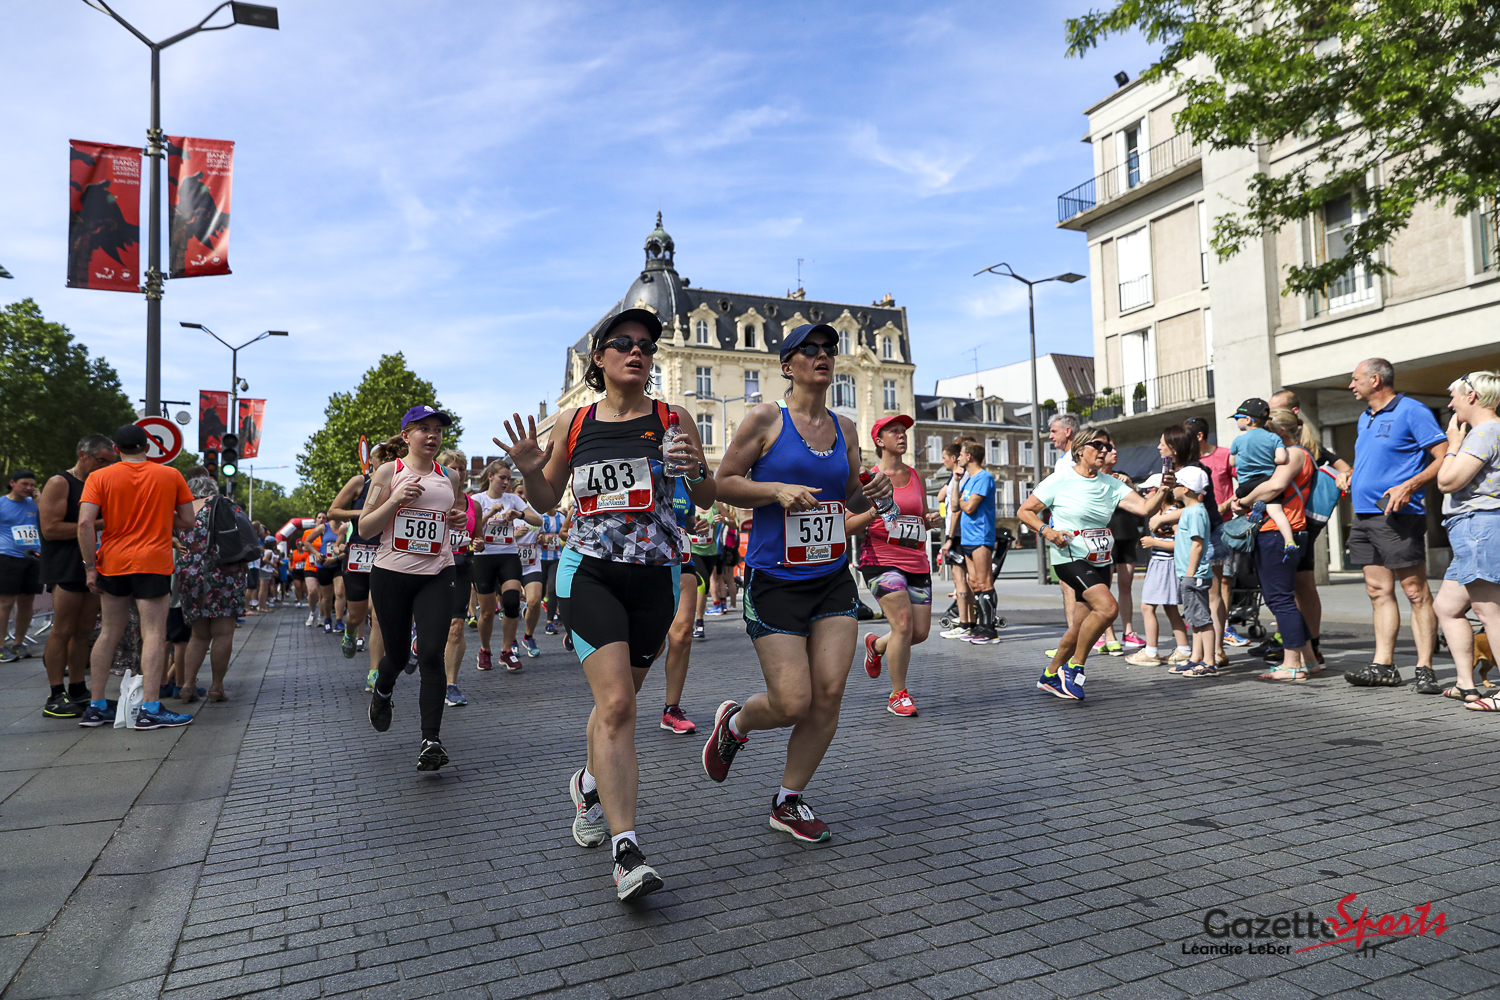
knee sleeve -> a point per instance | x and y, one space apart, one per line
510 601
984 608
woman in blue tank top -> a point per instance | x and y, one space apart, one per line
796 466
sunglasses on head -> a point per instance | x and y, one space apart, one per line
625 345
813 348
1465 380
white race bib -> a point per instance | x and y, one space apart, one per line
815 537
361 558
457 539
1101 545
499 532
26 534
529 554
417 529
909 532
622 485
700 539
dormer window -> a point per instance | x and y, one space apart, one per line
887 349
844 342
945 411
750 337
701 328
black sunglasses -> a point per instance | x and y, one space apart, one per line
1100 445
624 345
812 349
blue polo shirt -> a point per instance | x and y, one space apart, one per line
978 528
20 528
1391 448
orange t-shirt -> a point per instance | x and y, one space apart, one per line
136 501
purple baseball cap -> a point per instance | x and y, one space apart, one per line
421 412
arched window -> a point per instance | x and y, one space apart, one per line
702 330
655 387
887 349
844 342
843 391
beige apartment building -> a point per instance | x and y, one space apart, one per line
1177 333
719 351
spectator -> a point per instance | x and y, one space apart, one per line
140 503
953 546
212 597
1126 529
1289 485
1389 535
976 504
1470 476
1061 431
20 560
1160 589
1181 445
1191 548
1254 456
1223 562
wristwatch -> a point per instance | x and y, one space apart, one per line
702 474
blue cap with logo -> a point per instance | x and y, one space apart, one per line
794 339
421 413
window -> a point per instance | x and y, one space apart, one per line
992 413
934 450
1004 452
1052 456
1008 496
992 452
1203 245
702 330
843 342
705 385
843 392
1026 455
655 387
752 383
750 336
706 429
1136 365
887 349
1133 260
889 386
1355 286
1131 141
945 411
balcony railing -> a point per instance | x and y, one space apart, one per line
1195 385
1135 292
1162 158
1352 289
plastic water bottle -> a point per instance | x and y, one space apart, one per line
673 465
885 506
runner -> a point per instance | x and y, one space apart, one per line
74 607
705 552
412 579
20 560
497 565
297 559
796 465
533 579
727 520
359 556
461 538
952 551
1081 501
329 557
618 580
685 626
554 533
976 506
893 561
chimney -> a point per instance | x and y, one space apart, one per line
979 392
541 410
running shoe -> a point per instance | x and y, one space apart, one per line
674 720
1141 658
312 619
9 654
511 660
338 625
532 649
795 817
1051 683
484 662
380 712
713 611
980 636
1049 653
60 706
722 745
1114 648
1099 646
698 632
872 658
633 877
956 632
1133 642
1072 681
160 719
370 679
900 703
473 622
454 697
551 628
347 646
589 826
568 642
1178 657
1233 638
432 756
359 644
94 716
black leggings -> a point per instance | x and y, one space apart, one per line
400 598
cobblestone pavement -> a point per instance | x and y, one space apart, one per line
1004 843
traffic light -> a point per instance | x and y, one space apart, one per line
231 455
211 463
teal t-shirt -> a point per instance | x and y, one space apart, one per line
1192 524
1079 502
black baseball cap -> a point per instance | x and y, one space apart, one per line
131 438
794 339
642 314
1254 408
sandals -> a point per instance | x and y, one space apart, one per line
216 694
1462 693
1285 674
1489 704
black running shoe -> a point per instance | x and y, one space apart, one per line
1386 675
633 877
60 706
1427 682
432 756
380 712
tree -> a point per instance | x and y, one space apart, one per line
1397 90
52 393
374 409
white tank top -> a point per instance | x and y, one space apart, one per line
416 540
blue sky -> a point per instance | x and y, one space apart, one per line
472 182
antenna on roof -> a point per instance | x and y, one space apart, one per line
800 262
974 351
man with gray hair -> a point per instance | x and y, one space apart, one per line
1398 452
1061 432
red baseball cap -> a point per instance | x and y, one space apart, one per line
885 422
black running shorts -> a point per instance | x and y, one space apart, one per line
493 572
357 587
327 574
1080 575
20 575
141 586
789 607
604 602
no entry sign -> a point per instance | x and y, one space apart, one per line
164 437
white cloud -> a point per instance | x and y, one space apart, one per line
933 169
996 300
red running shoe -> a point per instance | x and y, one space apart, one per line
484 662
673 720
872 658
795 817
901 704
722 745
511 660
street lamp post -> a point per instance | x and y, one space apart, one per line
242 13
250 489
723 401
235 383
1036 409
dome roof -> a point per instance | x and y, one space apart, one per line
659 285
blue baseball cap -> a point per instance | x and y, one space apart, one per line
794 339
421 413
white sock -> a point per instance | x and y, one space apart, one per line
1185 650
1150 651
589 784
614 842
735 729
785 793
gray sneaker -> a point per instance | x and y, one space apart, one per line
1427 682
1386 675
9 654
589 826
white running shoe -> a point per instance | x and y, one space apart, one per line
589 826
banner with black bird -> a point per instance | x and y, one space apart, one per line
199 175
213 412
252 419
104 216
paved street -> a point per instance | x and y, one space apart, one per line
1003 844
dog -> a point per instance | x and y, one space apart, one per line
1484 660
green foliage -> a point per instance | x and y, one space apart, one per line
51 392
1390 90
1140 391
374 409
272 506
185 461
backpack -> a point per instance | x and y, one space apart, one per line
1239 534
1325 495
232 544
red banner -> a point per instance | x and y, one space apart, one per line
252 419
104 216
213 407
199 172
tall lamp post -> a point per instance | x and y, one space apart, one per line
723 401
242 13
236 385
1036 408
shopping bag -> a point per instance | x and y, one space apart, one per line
132 694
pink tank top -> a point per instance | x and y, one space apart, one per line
878 550
416 540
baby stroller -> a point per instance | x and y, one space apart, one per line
1003 539
1245 601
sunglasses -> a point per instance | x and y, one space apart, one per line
625 345
813 348
1100 445
1465 380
